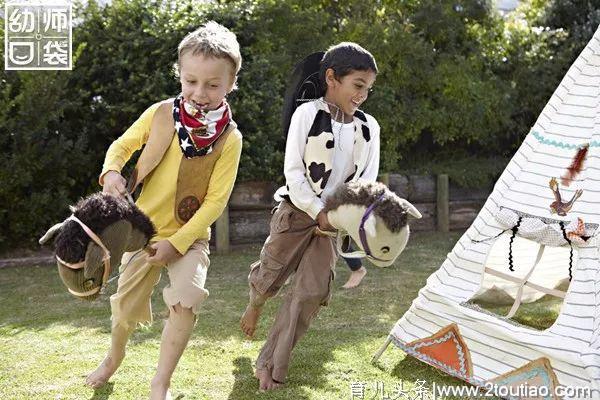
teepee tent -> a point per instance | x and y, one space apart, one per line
535 236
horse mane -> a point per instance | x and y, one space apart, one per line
390 208
97 211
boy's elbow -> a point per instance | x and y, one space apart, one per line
216 203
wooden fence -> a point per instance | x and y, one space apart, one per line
444 206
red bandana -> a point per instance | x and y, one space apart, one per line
198 130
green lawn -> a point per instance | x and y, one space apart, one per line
539 314
49 341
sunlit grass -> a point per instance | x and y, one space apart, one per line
49 340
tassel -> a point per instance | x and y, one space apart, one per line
576 166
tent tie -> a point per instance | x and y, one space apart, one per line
564 232
510 244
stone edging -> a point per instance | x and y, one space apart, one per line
18 262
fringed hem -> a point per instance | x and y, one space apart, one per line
131 325
192 300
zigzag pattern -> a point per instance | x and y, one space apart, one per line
561 145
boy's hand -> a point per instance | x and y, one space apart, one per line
165 253
324 224
114 184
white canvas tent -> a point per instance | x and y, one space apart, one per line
518 249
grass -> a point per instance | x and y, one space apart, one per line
539 314
49 340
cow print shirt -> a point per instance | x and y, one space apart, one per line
319 156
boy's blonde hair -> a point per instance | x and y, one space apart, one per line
212 40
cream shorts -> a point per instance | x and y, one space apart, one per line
131 304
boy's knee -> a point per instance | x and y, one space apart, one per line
312 296
180 314
319 292
179 309
266 275
188 298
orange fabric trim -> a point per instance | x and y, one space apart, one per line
447 347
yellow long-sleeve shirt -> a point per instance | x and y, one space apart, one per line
157 199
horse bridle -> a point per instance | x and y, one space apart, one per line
362 235
361 229
81 264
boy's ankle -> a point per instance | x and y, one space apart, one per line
117 353
115 357
160 381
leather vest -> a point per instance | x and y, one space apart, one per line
194 173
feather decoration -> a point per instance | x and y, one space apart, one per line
576 165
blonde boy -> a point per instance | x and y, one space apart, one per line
188 167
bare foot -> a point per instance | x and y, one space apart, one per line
249 320
265 381
160 391
355 278
104 371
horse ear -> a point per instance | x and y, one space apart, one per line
370 226
94 257
51 233
412 210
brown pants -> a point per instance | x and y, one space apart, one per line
291 246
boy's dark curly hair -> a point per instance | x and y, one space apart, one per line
344 58
97 211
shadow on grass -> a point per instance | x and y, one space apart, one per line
411 369
104 392
245 386
243 378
